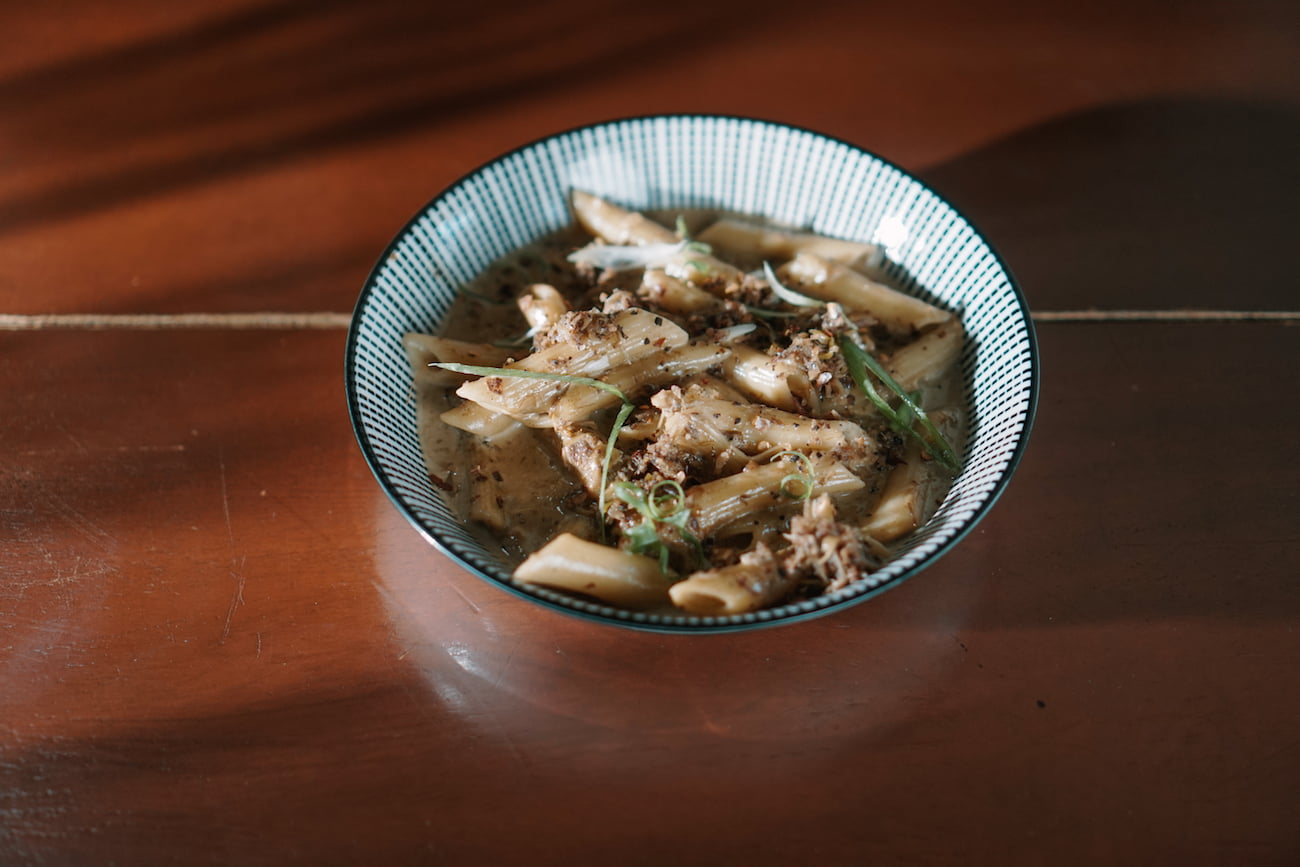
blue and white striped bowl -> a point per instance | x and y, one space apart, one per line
788 175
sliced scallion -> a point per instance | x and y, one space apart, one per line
807 477
664 504
763 313
789 296
516 373
860 362
623 412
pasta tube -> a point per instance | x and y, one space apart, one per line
913 490
928 357
609 574
675 296
542 306
479 420
695 421
774 381
624 338
746 241
716 505
424 349
657 370
615 225
831 281
753 583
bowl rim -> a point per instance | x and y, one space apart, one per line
711 625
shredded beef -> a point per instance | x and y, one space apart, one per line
576 328
825 554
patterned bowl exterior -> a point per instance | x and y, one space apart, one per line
784 174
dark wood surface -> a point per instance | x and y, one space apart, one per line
220 643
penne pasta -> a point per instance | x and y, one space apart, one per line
701 423
622 339
753 583
478 420
768 379
675 296
748 242
657 370
716 506
542 306
912 492
831 281
592 569
615 225
424 349
927 358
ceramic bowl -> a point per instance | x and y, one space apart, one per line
769 170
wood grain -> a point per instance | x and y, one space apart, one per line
217 626
220 643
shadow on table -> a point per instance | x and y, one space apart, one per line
257 87
1153 487
1166 203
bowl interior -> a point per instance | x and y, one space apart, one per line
772 171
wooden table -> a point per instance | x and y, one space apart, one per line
220 643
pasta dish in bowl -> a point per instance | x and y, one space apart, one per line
691 373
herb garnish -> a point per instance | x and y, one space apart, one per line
859 362
664 504
623 412
682 231
789 296
805 476
517 373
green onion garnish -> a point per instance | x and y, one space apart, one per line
516 373
859 362
694 246
664 504
763 313
806 477
789 296
623 412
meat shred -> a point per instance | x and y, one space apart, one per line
826 554
575 328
